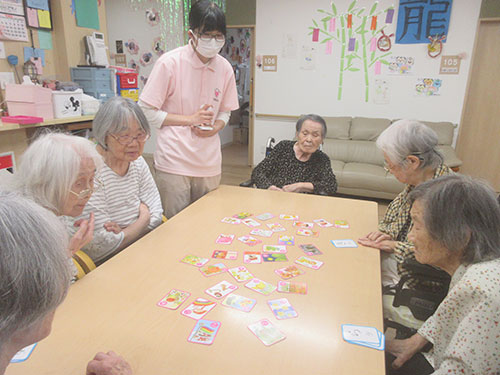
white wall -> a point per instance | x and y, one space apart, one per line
293 91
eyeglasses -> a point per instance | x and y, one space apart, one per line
85 193
125 140
208 37
388 168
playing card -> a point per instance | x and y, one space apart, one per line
266 332
292 287
282 309
213 269
286 240
261 232
221 289
225 239
249 240
254 257
289 217
199 308
310 249
250 222
289 271
274 249
274 257
239 302
23 354
173 299
223 254
194 260
265 216
242 215
307 232
303 224
341 224
261 286
240 274
231 220
364 336
344 243
204 332
323 223
308 262
276 227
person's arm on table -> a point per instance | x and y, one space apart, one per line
135 230
108 364
149 195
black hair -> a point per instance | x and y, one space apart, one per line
205 16
313 118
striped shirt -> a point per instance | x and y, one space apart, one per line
118 201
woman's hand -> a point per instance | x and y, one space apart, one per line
378 240
111 226
275 188
84 235
108 364
403 350
202 116
217 127
299 187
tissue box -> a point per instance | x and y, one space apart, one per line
29 100
67 103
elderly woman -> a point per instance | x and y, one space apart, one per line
34 280
128 204
411 155
456 227
299 166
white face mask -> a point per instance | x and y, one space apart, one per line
209 48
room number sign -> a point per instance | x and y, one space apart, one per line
269 63
450 65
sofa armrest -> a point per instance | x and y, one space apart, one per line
450 157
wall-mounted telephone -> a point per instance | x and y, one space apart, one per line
96 49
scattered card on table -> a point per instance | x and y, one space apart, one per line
266 332
204 332
344 243
249 240
221 289
308 262
274 257
310 249
250 222
254 257
265 216
239 302
364 336
274 249
292 287
23 354
303 224
240 274
199 308
242 215
289 217
225 239
261 232
194 260
173 299
276 227
224 254
213 269
231 220
261 286
286 240
341 224
323 223
282 309
289 272
307 232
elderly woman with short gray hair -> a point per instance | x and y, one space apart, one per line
298 166
128 204
456 227
411 155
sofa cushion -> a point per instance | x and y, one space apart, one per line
367 129
444 131
337 127
353 151
370 177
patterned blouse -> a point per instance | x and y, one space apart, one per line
281 167
465 328
397 223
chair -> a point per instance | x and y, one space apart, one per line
269 148
83 264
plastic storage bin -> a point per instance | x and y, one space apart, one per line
131 94
29 100
97 82
67 103
126 80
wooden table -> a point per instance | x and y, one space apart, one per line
114 307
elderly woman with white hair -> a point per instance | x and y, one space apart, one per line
411 155
128 204
34 280
456 227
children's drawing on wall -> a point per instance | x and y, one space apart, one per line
237 49
401 65
357 31
132 46
307 58
146 59
381 91
158 46
289 46
133 65
152 16
428 86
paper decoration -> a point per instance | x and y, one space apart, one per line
2 50
34 52
428 86
158 47
435 48
332 25
349 21
12 7
389 16
328 47
146 59
87 14
373 44
44 19
382 90
152 16
121 59
352 44
315 35
45 39
32 17
132 46
373 25
378 68
308 58
401 65
38 4
13 28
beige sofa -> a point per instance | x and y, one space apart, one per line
357 162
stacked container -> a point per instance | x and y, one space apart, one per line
96 82
29 100
127 85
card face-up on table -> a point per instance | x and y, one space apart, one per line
221 289
223 254
282 309
344 243
289 272
307 232
225 239
260 286
274 258
239 302
286 240
199 308
310 249
231 220
213 269
288 217
240 274
173 299
204 332
276 227
274 249
323 223
261 232
194 260
303 224
250 222
23 354
253 257
265 216
292 287
249 240
266 332
364 336
242 215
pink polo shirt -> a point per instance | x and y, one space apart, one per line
181 83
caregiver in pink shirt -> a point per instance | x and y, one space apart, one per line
189 96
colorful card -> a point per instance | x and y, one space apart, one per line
204 332
344 243
274 257
266 332
323 223
239 302
173 299
282 309
194 260
274 249
307 232
249 240
261 286
286 240
242 215
23 354
261 232
213 269
240 274
364 336
254 257
341 224
276 227
249 222
292 287
225 239
289 272
199 308
224 254
289 217
231 220
265 216
308 262
221 289
303 224
310 249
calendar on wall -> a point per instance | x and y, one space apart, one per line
13 28
12 7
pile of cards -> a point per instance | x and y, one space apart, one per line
370 337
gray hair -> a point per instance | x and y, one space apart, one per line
34 269
50 166
408 137
114 116
314 118
461 213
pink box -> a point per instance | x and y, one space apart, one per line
29 100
